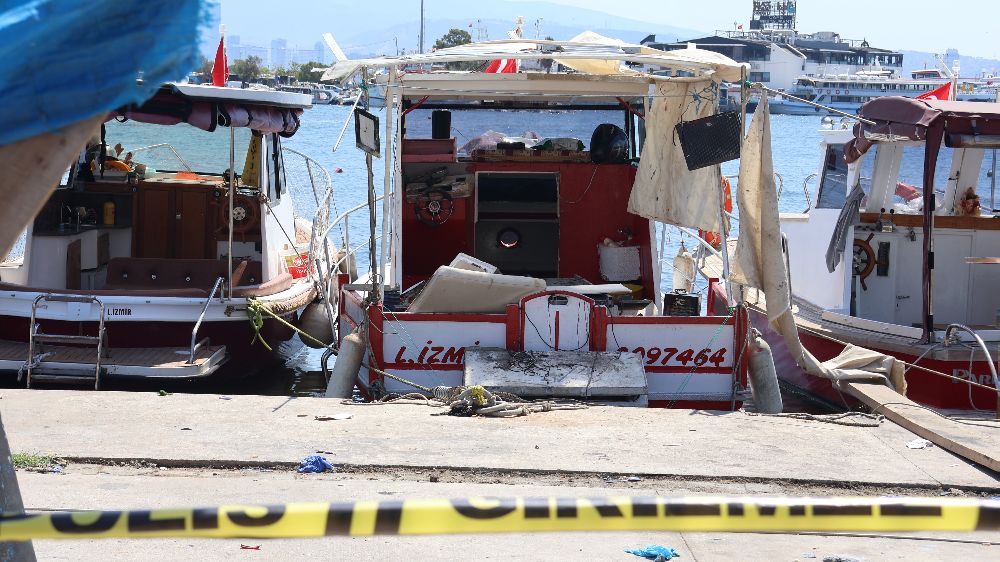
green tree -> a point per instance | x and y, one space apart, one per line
304 72
248 69
204 70
453 38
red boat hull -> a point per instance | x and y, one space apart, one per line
922 387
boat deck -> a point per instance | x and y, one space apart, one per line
167 362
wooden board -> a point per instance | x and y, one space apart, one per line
978 441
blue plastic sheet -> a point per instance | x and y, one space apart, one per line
62 61
654 552
315 463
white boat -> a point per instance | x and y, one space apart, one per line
537 270
144 261
898 254
848 92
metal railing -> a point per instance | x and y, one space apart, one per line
194 331
179 158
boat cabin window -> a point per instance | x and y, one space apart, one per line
177 148
833 181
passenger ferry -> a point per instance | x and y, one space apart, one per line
848 93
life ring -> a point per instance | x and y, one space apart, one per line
864 259
246 213
714 238
838 92
847 92
116 165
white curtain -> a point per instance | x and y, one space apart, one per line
664 189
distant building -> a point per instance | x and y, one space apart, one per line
279 54
778 54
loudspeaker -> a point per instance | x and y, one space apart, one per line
440 124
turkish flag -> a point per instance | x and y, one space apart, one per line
220 70
502 66
942 92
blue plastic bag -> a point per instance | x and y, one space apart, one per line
314 463
654 552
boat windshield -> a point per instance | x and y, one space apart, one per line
833 183
180 147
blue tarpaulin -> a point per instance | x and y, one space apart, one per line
62 61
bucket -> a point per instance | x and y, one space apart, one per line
297 262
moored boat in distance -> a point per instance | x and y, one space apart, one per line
173 222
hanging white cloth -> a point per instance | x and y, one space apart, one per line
664 189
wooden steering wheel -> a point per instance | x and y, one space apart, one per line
246 214
864 259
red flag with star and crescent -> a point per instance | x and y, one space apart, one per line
942 92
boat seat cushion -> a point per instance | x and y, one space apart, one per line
156 273
459 290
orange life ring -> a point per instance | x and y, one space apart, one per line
116 165
714 238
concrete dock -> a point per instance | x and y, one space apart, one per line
142 450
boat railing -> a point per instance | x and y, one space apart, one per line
177 155
349 252
194 331
951 337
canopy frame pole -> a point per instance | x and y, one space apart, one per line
390 108
375 294
232 195
760 86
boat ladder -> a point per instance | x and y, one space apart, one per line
59 370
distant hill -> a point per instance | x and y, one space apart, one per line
970 66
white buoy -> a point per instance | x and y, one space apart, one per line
764 378
684 267
315 321
346 369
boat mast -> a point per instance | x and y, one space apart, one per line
421 26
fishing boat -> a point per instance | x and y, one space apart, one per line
165 229
848 93
529 263
910 268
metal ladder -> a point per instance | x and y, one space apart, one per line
36 338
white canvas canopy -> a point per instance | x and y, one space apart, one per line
588 52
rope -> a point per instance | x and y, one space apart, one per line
256 309
869 420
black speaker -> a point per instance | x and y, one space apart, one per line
440 124
710 140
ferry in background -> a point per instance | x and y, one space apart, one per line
849 92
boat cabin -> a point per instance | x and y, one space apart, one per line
177 209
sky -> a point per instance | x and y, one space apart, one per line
919 25
971 26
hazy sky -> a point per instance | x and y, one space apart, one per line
971 26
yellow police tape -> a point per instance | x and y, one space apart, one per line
515 515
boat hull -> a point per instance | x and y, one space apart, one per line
922 387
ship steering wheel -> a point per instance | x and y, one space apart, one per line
864 259
434 207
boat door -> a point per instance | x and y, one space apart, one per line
556 321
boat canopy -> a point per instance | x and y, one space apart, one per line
588 52
908 119
208 107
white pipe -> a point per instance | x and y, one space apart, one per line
232 195
390 107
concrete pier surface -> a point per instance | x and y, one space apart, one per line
142 450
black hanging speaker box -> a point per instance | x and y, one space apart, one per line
681 304
710 140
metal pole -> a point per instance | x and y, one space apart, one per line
11 503
993 184
421 26
232 195
814 104
372 264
